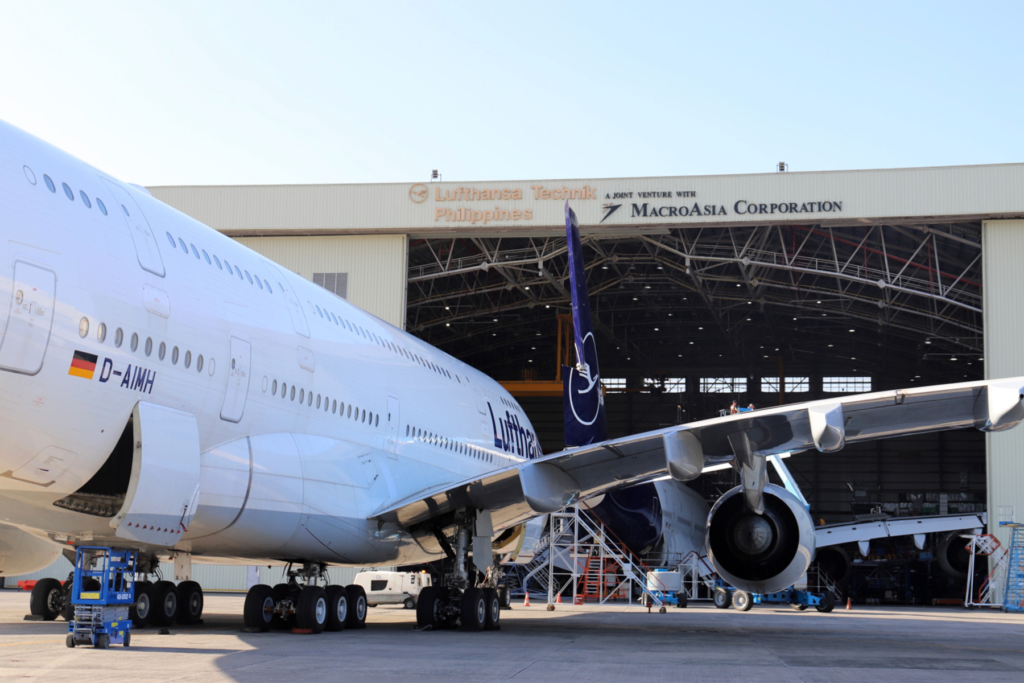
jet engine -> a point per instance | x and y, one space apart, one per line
760 553
23 553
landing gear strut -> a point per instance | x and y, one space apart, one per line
467 595
303 606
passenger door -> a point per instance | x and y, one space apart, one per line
294 307
29 319
146 247
394 411
238 379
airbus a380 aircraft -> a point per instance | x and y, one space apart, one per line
164 388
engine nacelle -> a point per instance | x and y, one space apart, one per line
23 553
760 553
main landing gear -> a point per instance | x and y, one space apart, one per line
462 599
159 603
301 605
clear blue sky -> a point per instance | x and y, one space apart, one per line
303 92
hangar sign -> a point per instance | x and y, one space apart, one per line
740 207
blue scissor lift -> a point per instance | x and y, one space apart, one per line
102 592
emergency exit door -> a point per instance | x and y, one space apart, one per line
29 318
238 380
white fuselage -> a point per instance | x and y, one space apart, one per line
314 417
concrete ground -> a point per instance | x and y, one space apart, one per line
593 644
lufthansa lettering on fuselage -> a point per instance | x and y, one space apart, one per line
136 378
511 437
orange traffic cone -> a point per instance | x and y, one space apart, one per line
558 600
526 603
849 603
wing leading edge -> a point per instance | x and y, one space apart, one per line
517 493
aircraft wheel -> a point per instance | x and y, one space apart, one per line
356 606
505 596
828 603
428 608
473 610
190 597
259 607
723 598
165 603
337 608
742 600
141 611
47 599
311 610
492 619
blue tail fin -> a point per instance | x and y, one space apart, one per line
585 421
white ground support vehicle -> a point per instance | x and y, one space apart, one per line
393 588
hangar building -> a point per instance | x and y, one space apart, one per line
763 288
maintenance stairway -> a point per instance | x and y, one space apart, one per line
1013 599
597 566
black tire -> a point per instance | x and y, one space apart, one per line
492 619
742 601
70 640
103 641
723 598
127 639
283 591
681 600
828 603
311 610
472 610
428 608
259 607
141 611
190 603
409 603
337 608
47 599
505 596
357 606
165 603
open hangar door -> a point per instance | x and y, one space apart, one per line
690 319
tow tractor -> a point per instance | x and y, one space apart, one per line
103 590
726 595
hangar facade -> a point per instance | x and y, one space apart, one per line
763 288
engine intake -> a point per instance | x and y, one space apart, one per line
760 553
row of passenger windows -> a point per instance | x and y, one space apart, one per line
68 192
148 346
253 279
510 404
443 442
314 309
352 412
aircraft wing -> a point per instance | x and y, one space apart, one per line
519 492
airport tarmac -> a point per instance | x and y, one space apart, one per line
597 644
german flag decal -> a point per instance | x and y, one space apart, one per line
83 365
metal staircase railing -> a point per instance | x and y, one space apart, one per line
1013 595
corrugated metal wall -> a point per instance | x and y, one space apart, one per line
1003 254
211 577
376 266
